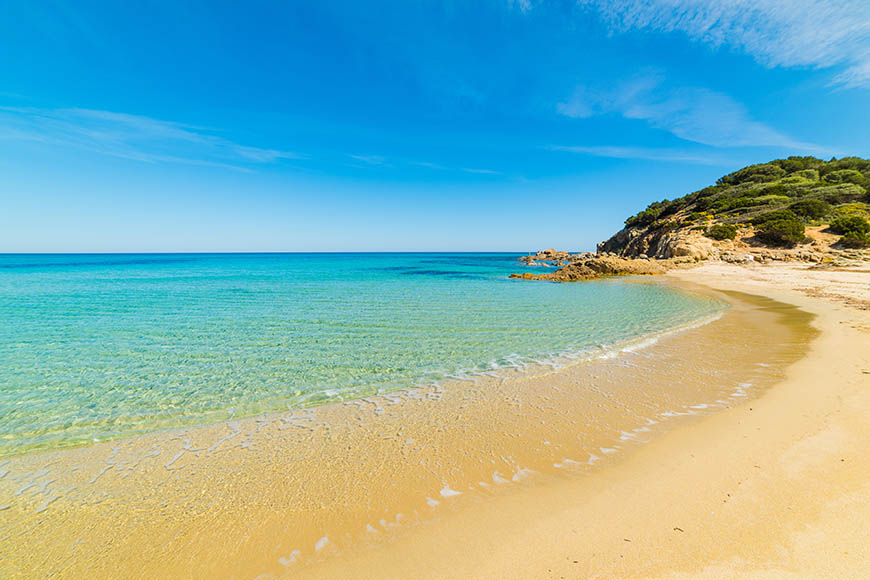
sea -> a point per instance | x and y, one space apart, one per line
103 346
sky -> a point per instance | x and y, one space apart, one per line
413 125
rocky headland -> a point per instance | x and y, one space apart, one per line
799 209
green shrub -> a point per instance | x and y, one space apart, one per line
776 189
649 215
725 203
710 190
754 174
798 180
840 193
781 232
845 225
722 232
849 209
780 214
810 208
722 203
704 204
855 239
811 174
771 199
781 188
779 228
799 164
856 163
845 176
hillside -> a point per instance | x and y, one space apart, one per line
800 208
767 205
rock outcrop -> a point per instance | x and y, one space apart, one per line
675 242
597 267
551 257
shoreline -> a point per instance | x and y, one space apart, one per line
529 361
543 364
774 488
237 482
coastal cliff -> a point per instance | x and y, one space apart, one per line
796 209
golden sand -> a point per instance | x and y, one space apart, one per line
775 488
433 482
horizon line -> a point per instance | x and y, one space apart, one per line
258 252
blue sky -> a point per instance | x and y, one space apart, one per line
424 125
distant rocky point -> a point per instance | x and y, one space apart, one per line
795 209
594 266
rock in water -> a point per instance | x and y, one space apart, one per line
597 267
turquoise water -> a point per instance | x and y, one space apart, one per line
97 346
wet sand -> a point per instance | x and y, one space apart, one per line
525 474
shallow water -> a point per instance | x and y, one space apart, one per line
99 346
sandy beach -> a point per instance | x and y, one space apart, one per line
633 466
773 488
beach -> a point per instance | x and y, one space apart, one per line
773 488
550 471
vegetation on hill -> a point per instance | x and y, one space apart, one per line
722 232
855 230
778 199
779 228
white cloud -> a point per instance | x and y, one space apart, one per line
813 33
690 113
130 136
370 159
428 165
265 155
648 153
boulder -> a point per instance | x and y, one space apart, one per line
685 244
606 266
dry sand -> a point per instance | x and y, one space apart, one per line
778 487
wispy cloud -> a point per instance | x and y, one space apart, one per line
133 137
380 161
813 33
480 171
690 113
647 153
428 165
265 155
376 160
